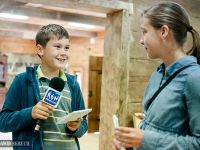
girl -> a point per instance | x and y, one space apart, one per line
172 116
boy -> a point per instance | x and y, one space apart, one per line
22 107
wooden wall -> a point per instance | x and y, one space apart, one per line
140 67
80 50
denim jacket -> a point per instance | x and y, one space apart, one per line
172 121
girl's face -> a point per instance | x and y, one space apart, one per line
150 39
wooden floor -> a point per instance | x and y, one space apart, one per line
89 141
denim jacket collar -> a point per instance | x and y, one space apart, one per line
184 61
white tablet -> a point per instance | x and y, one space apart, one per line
73 116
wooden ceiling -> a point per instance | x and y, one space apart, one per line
43 12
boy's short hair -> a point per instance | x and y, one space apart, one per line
50 31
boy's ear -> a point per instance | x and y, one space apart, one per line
40 50
164 31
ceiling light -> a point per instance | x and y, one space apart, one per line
81 25
92 40
13 16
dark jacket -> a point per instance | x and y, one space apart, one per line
16 114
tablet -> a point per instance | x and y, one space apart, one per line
73 116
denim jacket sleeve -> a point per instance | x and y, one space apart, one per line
168 141
13 118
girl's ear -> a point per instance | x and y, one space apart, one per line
40 50
164 31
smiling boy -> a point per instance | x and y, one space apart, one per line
22 107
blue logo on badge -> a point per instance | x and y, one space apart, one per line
52 97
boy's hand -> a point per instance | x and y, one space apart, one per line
73 125
41 111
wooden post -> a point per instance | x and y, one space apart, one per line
114 76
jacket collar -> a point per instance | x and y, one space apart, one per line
41 75
31 73
176 65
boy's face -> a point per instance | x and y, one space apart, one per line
55 55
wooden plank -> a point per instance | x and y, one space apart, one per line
55 15
137 50
26 27
104 6
16 45
95 79
142 67
139 78
96 63
136 91
4 33
114 76
132 108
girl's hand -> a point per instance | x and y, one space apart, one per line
129 137
116 144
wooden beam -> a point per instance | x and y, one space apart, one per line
73 11
17 26
7 3
103 6
56 15
4 33
114 93
17 45
26 28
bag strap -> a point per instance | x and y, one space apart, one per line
164 85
